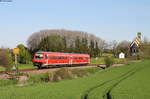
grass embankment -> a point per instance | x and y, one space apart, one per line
61 74
87 87
54 76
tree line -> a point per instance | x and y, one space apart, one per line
66 41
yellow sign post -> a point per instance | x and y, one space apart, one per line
16 52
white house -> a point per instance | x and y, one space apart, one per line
122 55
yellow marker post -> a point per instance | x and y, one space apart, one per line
16 52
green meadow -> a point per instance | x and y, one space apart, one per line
126 82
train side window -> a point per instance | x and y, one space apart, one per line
53 57
67 57
75 57
61 58
57 57
50 57
64 57
80 58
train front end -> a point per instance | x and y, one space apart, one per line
39 59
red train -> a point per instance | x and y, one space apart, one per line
45 59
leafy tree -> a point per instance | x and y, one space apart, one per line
144 51
52 43
71 49
24 56
77 45
65 49
6 59
97 50
84 45
91 47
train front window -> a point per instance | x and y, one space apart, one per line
39 56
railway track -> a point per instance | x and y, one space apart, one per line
54 68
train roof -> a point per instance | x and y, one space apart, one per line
61 53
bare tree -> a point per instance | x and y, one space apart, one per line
113 46
146 40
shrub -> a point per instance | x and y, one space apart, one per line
109 61
79 72
6 59
62 74
38 78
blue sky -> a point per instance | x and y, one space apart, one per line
108 19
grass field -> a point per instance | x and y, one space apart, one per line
126 82
26 66
105 90
100 60
21 66
2 69
134 87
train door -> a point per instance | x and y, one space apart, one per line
46 58
70 60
